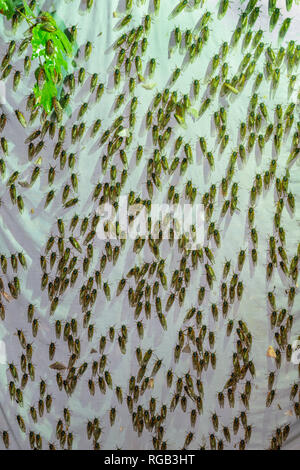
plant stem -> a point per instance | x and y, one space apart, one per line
26 17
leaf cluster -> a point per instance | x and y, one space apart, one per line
8 7
51 46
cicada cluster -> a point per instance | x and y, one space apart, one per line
138 333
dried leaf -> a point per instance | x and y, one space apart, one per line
271 352
186 349
149 85
24 184
151 383
7 296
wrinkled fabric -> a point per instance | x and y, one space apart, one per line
28 233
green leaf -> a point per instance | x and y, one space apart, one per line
3 6
50 67
46 95
61 61
36 32
65 42
8 7
48 70
52 64
38 42
28 10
